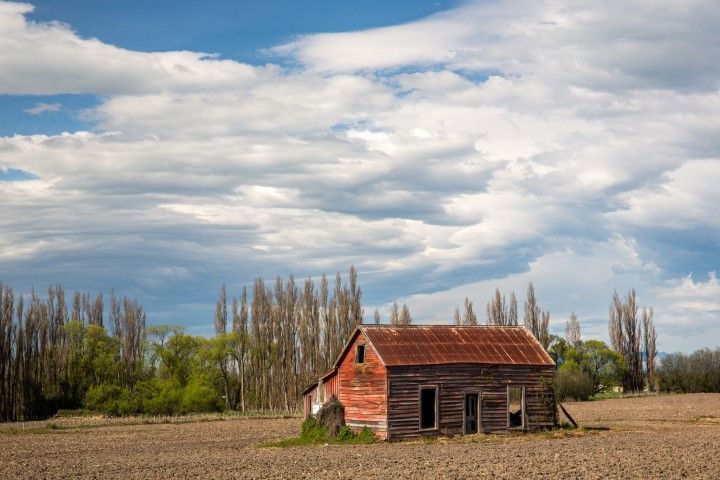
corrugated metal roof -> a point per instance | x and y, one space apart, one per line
443 344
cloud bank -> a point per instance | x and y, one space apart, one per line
572 144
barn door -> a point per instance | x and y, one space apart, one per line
471 413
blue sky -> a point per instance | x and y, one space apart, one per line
445 148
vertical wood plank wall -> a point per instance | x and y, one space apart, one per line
330 387
362 390
453 382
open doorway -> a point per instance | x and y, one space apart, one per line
428 408
515 407
472 413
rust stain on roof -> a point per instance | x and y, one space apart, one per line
443 344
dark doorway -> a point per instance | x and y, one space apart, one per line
472 423
428 407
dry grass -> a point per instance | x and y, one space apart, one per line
654 437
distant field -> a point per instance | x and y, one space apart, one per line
676 436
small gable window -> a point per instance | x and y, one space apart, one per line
360 354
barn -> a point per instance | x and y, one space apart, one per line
415 380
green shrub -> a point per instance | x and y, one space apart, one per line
312 431
103 398
365 436
573 384
200 396
166 400
313 434
344 434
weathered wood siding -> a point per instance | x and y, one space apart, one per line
307 405
362 389
330 385
453 382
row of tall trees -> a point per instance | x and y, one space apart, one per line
632 335
500 311
50 356
589 367
268 346
284 338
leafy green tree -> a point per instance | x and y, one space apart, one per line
591 362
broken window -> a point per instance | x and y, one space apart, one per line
516 407
360 354
428 407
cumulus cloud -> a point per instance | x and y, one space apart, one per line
492 144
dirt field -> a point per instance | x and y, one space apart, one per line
652 437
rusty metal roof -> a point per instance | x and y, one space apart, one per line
443 344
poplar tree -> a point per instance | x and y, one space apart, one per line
469 316
405 318
394 314
572 330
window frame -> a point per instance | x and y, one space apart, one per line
436 425
357 351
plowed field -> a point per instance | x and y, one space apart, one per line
647 437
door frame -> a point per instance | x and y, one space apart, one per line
478 406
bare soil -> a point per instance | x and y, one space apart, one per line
675 436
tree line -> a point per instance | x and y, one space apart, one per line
50 357
586 368
269 344
283 339
501 311
690 373
265 352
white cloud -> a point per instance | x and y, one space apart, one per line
50 58
686 197
41 107
489 145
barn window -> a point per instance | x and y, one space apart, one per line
360 354
428 407
515 407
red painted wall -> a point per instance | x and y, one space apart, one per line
330 386
362 389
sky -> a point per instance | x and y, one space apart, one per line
445 148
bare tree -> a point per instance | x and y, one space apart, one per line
626 338
96 310
327 327
376 317
221 311
456 317
395 314
572 330
615 324
544 333
537 321
532 312
513 310
469 316
356 310
405 318
497 310
650 339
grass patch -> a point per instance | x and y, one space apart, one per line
76 413
607 396
313 434
76 420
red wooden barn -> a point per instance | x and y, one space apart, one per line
408 381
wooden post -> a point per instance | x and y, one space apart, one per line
568 415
